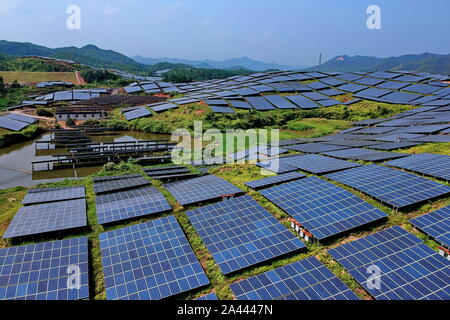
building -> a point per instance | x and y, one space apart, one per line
81 113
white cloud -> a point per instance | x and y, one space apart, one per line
9 5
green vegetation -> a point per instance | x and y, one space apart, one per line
13 94
45 112
98 76
8 138
33 65
191 74
439 148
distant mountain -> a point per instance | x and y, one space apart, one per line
230 64
426 62
89 55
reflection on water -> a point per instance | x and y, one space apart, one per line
15 161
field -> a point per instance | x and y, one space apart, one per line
26 76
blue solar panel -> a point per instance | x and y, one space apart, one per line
302 102
259 103
409 78
332 92
394 187
47 217
276 166
149 261
400 97
384 75
211 296
315 96
350 87
368 81
270 181
240 104
393 145
329 103
318 164
409 270
432 138
221 109
129 204
349 76
164 107
11 124
280 102
137 113
332 81
436 224
434 165
364 154
323 208
240 233
318 85
201 189
42 271
42 195
315 147
21 117
306 279
373 92
120 184
392 85
421 88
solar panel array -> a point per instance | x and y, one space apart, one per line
323 208
306 279
130 204
47 217
318 164
239 233
364 154
434 165
120 184
11 124
408 269
270 181
211 296
201 189
42 195
149 261
42 271
137 113
435 224
396 188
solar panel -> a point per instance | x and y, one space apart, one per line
432 138
211 296
306 279
47 217
435 224
329 103
393 145
164 107
42 195
318 164
396 188
349 76
11 124
111 178
130 204
428 129
409 78
398 137
315 147
317 85
392 85
400 97
122 184
221 109
352 143
155 174
331 92
21 117
201 189
302 102
350 87
42 271
270 181
384 75
421 88
332 81
409 270
240 233
364 155
240 104
376 130
373 92
368 81
315 96
276 166
259 103
323 208
280 102
149 261
434 165
137 113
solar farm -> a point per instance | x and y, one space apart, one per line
305 218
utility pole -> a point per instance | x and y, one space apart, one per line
320 60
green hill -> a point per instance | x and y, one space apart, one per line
426 62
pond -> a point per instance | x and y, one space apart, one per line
15 161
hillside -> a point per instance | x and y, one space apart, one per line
230 64
426 62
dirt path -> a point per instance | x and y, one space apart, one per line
80 79
22 112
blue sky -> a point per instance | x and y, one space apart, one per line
290 32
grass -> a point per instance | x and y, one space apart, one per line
28 76
439 148
8 138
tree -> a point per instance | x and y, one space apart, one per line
15 84
2 85
70 122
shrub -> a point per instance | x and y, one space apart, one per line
42 112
